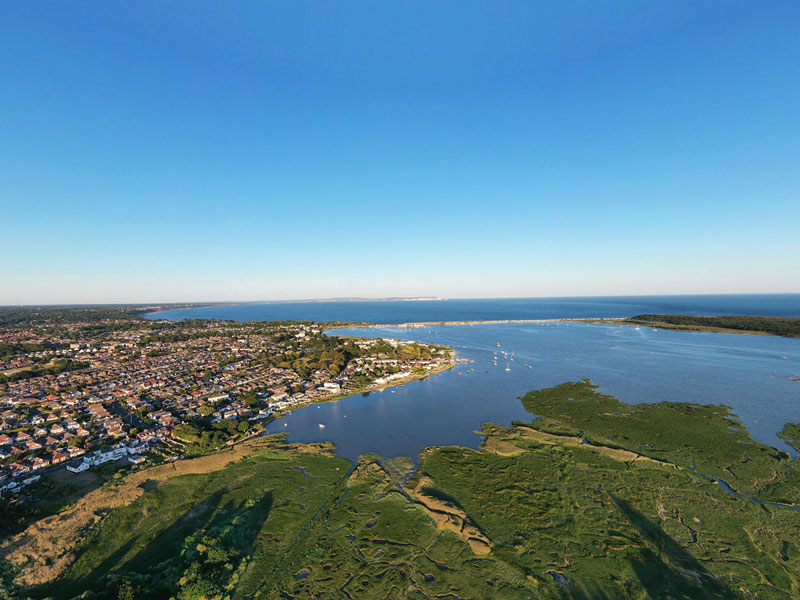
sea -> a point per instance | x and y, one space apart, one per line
751 374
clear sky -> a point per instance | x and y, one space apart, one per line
185 151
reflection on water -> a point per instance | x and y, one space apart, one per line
749 373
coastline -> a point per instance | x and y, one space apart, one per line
680 327
374 387
414 325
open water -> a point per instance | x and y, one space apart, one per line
749 373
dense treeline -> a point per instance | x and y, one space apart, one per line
203 435
13 349
16 315
783 326
333 353
58 366
110 318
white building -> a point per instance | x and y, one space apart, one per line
77 466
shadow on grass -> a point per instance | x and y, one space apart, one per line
166 546
664 568
167 543
157 565
681 575
161 561
590 591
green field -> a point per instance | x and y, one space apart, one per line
593 499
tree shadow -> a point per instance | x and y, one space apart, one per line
682 575
250 520
162 547
66 588
590 591
159 564
167 545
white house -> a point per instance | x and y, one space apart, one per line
99 457
77 466
138 448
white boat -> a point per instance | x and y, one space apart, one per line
321 426
508 368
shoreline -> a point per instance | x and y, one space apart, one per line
688 328
417 324
375 387
591 321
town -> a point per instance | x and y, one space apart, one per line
83 388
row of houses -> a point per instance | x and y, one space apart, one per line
116 452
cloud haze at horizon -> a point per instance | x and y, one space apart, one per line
169 151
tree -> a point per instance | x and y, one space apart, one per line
127 591
243 426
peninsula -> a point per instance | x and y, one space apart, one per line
420 324
781 326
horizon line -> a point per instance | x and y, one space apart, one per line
201 303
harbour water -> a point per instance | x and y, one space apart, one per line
496 309
749 373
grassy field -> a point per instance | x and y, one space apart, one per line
705 438
594 499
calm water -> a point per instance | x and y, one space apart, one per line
786 305
748 373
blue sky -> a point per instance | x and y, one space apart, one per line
189 151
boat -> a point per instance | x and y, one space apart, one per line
498 344
508 368
322 426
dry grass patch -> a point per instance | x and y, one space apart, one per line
450 517
47 547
